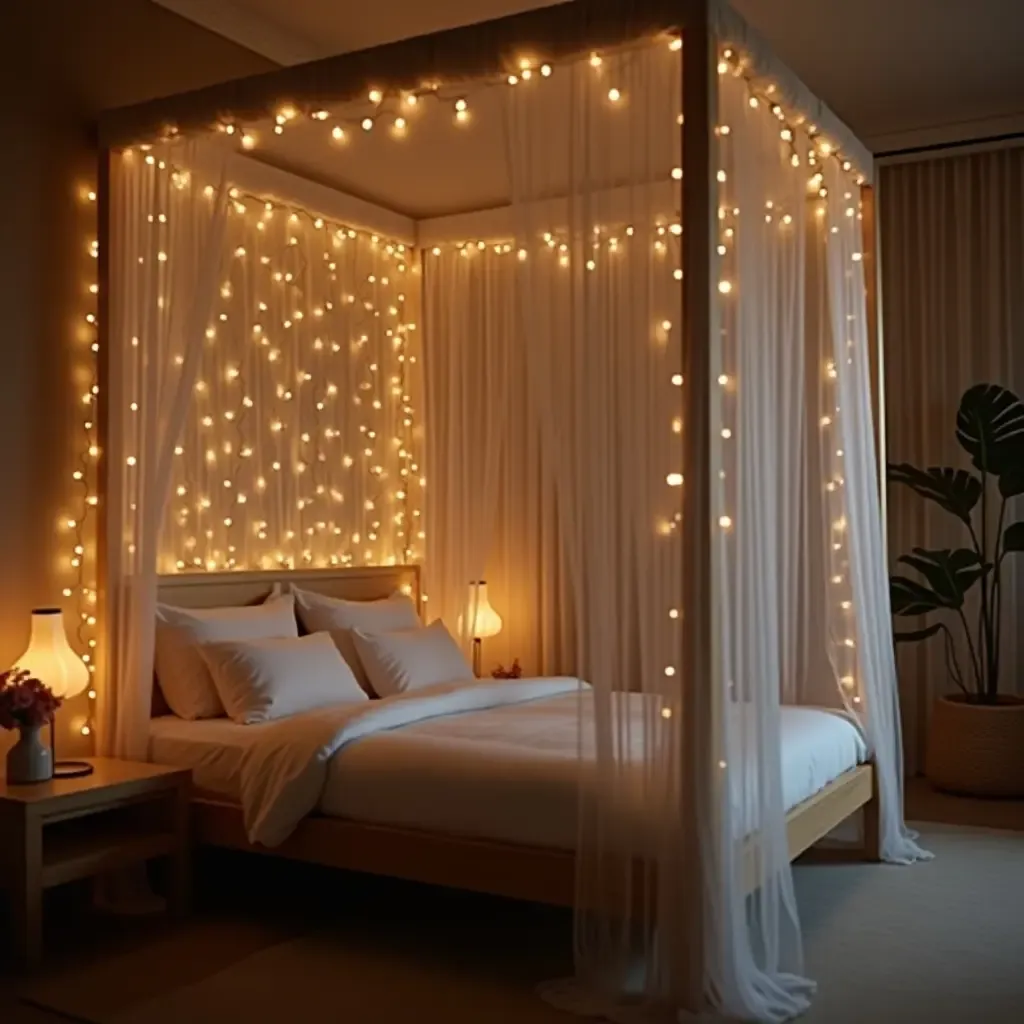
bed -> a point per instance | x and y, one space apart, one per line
475 788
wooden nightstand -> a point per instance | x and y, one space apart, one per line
54 832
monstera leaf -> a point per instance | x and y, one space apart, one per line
912 635
948 575
1011 481
990 428
956 490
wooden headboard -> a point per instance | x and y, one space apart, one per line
231 589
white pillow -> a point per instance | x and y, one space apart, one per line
318 612
259 680
411 658
184 679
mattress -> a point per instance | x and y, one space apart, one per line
509 774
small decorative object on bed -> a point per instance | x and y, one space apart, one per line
976 737
50 658
515 671
27 704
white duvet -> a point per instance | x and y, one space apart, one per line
491 759
283 776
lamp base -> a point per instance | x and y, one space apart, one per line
71 769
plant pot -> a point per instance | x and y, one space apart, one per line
29 760
977 749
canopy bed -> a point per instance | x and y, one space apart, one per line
602 275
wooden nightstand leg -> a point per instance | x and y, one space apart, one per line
181 861
27 892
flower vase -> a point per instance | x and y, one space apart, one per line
29 760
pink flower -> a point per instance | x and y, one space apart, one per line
25 701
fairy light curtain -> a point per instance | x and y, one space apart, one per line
166 247
301 441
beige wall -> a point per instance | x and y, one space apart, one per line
63 62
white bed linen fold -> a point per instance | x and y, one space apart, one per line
491 759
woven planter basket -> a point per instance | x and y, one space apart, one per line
977 749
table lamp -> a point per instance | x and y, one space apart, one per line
485 621
51 659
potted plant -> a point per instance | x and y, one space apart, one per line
27 704
976 734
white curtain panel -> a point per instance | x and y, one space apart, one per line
301 439
758 450
860 620
491 505
166 245
599 295
953 267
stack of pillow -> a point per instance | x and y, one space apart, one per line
253 665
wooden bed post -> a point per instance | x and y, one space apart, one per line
873 822
699 657
101 676
876 350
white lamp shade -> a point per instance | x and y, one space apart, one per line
486 622
50 658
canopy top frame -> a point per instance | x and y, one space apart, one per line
465 54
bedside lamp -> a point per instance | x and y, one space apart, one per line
50 658
485 620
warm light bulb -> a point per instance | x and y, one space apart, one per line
338 133
725 522
367 124
614 95
376 96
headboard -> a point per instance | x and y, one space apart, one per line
227 589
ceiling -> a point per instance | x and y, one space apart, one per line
902 73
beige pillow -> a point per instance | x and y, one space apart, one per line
260 680
181 671
338 617
409 659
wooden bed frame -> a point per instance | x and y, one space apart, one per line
540 874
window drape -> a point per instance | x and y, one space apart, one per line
166 242
952 267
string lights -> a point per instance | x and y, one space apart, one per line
79 525
803 143
301 445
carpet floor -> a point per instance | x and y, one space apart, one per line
939 943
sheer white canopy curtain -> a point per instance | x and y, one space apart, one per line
594 178
952 265
491 503
166 247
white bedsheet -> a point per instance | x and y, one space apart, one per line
493 760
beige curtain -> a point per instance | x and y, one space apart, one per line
953 295
490 506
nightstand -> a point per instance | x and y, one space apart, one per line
54 832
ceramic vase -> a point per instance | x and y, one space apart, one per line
29 760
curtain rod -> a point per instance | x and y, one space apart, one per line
1004 139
